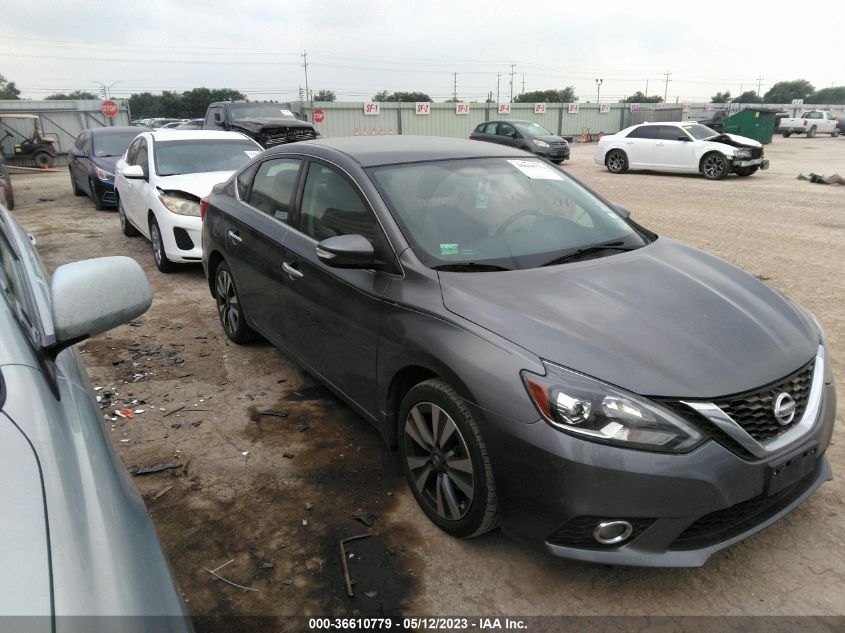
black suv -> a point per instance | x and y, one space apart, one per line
267 122
526 135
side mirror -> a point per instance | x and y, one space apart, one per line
623 211
133 172
95 295
347 251
683 137
77 153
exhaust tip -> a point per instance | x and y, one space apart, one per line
613 532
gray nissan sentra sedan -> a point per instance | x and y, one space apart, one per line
80 552
541 361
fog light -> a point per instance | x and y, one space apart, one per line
612 532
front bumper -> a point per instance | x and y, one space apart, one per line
182 235
761 162
554 153
547 480
105 191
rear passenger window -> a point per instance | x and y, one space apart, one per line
645 131
244 179
331 206
273 188
489 128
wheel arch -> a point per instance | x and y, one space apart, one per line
706 153
612 148
214 260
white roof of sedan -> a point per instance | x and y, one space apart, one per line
194 135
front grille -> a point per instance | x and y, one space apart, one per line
559 144
754 411
578 532
756 152
108 196
183 240
733 520
286 135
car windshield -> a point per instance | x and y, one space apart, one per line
497 212
532 129
111 144
265 110
699 131
192 156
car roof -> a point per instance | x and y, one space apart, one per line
369 151
194 135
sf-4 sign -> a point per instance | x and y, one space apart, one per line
504 108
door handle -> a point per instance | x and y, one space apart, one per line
659 144
629 142
292 272
237 239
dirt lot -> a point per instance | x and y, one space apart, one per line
248 481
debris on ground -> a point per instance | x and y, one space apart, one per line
346 576
268 564
274 413
163 492
288 455
835 179
367 518
309 506
214 573
157 468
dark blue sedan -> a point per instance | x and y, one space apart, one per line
92 161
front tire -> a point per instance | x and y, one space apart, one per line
229 307
445 460
125 224
811 132
786 134
746 171
159 252
714 166
42 160
98 202
616 161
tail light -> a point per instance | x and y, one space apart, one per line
203 207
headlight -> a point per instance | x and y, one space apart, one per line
180 206
102 174
828 362
539 143
596 411
743 154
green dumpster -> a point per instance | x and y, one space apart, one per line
756 123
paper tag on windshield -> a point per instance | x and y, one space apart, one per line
252 153
287 112
536 170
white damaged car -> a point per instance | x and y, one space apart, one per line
161 179
683 147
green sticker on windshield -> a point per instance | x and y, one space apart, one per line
450 249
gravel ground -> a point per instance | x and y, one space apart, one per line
277 493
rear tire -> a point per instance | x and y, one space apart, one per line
714 166
445 460
616 161
786 134
811 132
835 133
125 225
159 252
229 307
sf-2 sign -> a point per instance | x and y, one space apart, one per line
109 108
423 107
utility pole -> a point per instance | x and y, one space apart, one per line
498 75
105 89
666 89
759 85
305 66
646 87
512 67
599 82
455 87
523 83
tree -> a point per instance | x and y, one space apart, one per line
567 95
830 95
786 91
639 97
8 89
407 97
325 95
721 97
188 104
749 96
76 94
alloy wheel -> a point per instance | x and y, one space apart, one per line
439 461
616 161
155 238
713 166
227 302
121 215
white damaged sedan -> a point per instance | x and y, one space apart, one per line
161 179
683 147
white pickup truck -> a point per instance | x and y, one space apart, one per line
810 123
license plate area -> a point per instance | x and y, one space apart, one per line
791 469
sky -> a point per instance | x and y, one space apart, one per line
357 48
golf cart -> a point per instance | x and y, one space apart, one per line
37 149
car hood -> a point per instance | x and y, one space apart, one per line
664 320
105 162
259 124
551 138
198 185
734 140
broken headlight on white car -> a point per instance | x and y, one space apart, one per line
580 405
180 206
742 154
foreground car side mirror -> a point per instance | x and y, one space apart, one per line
95 295
347 251
133 172
625 212
683 137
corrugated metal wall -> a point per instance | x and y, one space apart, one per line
61 119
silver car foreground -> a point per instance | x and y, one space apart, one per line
78 543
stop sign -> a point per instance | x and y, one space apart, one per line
109 108
319 116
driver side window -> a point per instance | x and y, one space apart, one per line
506 129
332 206
142 158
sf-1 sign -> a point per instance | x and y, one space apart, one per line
372 108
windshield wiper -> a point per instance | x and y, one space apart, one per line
613 246
469 267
